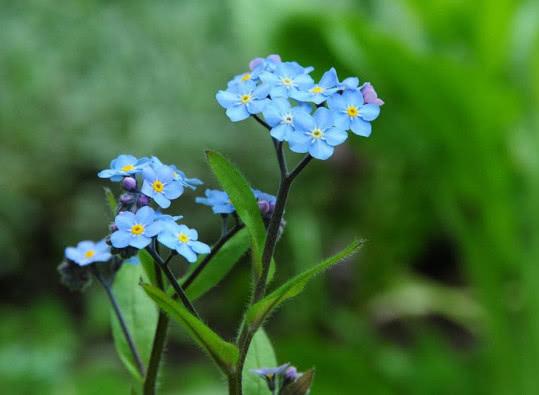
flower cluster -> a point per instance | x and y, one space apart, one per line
136 224
313 117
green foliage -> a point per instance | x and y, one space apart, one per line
139 313
224 354
221 263
260 355
241 196
148 266
111 201
258 312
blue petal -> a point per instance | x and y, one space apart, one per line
304 122
329 79
335 136
369 112
147 189
149 174
320 150
303 81
278 91
72 254
187 253
360 127
192 233
262 91
107 173
256 106
199 247
140 241
353 97
341 121
323 118
168 239
173 190
145 215
281 132
125 220
124 160
272 113
237 113
336 102
120 239
161 200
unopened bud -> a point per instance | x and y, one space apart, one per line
129 183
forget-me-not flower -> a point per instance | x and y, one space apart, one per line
183 240
123 166
160 184
135 230
287 79
318 93
242 100
87 252
179 175
218 201
350 83
280 115
351 112
316 134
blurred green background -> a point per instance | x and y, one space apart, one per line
443 299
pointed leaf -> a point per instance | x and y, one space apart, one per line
111 201
260 310
242 197
260 355
148 266
139 313
301 386
219 266
224 354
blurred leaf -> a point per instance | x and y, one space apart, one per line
242 197
139 313
301 386
219 266
224 354
148 265
111 201
260 355
259 311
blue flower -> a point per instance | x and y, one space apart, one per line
179 175
350 83
160 184
135 230
88 252
316 134
287 79
183 240
351 112
242 100
122 166
318 93
280 115
261 64
252 76
217 200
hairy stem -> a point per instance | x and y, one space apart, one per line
121 321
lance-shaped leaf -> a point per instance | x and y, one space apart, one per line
301 386
260 355
148 265
258 312
243 199
224 354
140 316
111 201
219 266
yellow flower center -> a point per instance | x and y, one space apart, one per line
286 81
137 229
317 89
246 77
245 98
352 111
88 254
183 238
317 133
128 168
158 186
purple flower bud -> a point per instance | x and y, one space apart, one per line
126 198
129 183
265 207
143 200
291 373
255 62
369 94
113 227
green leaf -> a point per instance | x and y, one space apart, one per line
260 355
242 197
139 313
148 265
224 354
301 386
111 201
219 266
260 310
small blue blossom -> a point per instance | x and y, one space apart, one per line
267 64
88 252
123 166
183 240
160 184
179 175
280 115
287 79
135 230
218 201
318 93
166 219
271 375
351 112
350 83
252 76
242 100
316 134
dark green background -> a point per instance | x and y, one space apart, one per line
443 299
